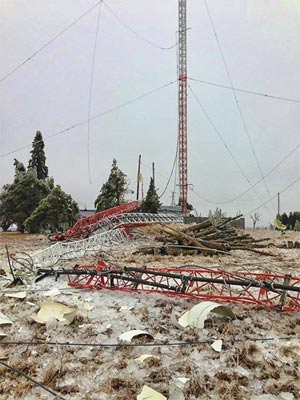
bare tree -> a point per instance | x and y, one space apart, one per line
255 218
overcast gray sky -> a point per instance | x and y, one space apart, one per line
260 43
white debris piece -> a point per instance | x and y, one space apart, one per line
16 295
4 320
51 310
144 357
129 335
126 308
181 381
197 315
52 292
2 335
217 345
150 394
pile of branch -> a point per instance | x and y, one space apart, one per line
205 238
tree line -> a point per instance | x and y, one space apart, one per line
35 203
292 221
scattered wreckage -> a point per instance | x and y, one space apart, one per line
270 290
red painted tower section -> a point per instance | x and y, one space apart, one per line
182 106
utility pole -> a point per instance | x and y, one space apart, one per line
153 174
173 199
138 178
182 106
278 205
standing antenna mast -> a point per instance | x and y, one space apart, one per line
182 106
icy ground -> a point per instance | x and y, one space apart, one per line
248 367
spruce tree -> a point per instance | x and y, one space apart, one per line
57 210
19 199
113 191
151 204
38 158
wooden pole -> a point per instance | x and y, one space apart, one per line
153 174
138 178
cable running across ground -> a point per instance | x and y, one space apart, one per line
162 344
19 372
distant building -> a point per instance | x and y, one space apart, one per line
170 209
85 213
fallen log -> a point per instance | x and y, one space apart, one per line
230 219
196 227
192 241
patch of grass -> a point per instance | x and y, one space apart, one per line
52 374
230 390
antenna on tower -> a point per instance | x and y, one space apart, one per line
182 106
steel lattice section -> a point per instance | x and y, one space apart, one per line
69 250
135 218
111 231
253 288
84 226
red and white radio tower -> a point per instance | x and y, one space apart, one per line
182 106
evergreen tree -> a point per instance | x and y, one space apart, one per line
292 220
151 204
57 210
19 199
38 158
113 191
284 219
5 208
